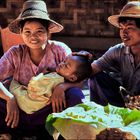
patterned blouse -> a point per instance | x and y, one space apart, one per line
16 62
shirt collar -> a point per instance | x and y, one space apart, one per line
126 49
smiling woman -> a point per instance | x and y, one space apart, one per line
23 61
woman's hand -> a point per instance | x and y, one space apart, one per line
58 98
12 117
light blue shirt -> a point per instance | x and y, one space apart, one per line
119 58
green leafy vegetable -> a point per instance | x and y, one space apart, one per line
88 119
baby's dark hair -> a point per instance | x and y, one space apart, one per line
84 69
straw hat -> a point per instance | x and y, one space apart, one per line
34 9
131 9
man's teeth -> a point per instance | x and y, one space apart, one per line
125 39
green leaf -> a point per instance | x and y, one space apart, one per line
92 118
49 123
133 116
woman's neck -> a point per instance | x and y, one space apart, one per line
37 55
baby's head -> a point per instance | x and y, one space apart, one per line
75 68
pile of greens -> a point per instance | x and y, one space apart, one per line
88 119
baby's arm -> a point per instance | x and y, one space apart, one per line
16 85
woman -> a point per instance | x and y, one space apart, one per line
22 62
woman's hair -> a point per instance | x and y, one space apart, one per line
84 69
124 20
45 23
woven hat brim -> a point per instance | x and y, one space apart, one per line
53 28
114 18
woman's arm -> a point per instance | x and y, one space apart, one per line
4 93
12 117
58 95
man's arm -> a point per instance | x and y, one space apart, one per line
95 69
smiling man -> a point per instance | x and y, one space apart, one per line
123 59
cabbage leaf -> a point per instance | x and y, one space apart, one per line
86 120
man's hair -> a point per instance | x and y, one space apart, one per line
84 68
124 20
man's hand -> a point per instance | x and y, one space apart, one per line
58 98
12 117
84 53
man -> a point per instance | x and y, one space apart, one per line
122 58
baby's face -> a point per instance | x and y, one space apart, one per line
68 67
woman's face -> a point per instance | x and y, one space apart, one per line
34 34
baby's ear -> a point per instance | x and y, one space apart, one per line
73 78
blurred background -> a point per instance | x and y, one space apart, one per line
85 22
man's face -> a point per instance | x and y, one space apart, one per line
130 33
68 67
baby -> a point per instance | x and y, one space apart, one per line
36 95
